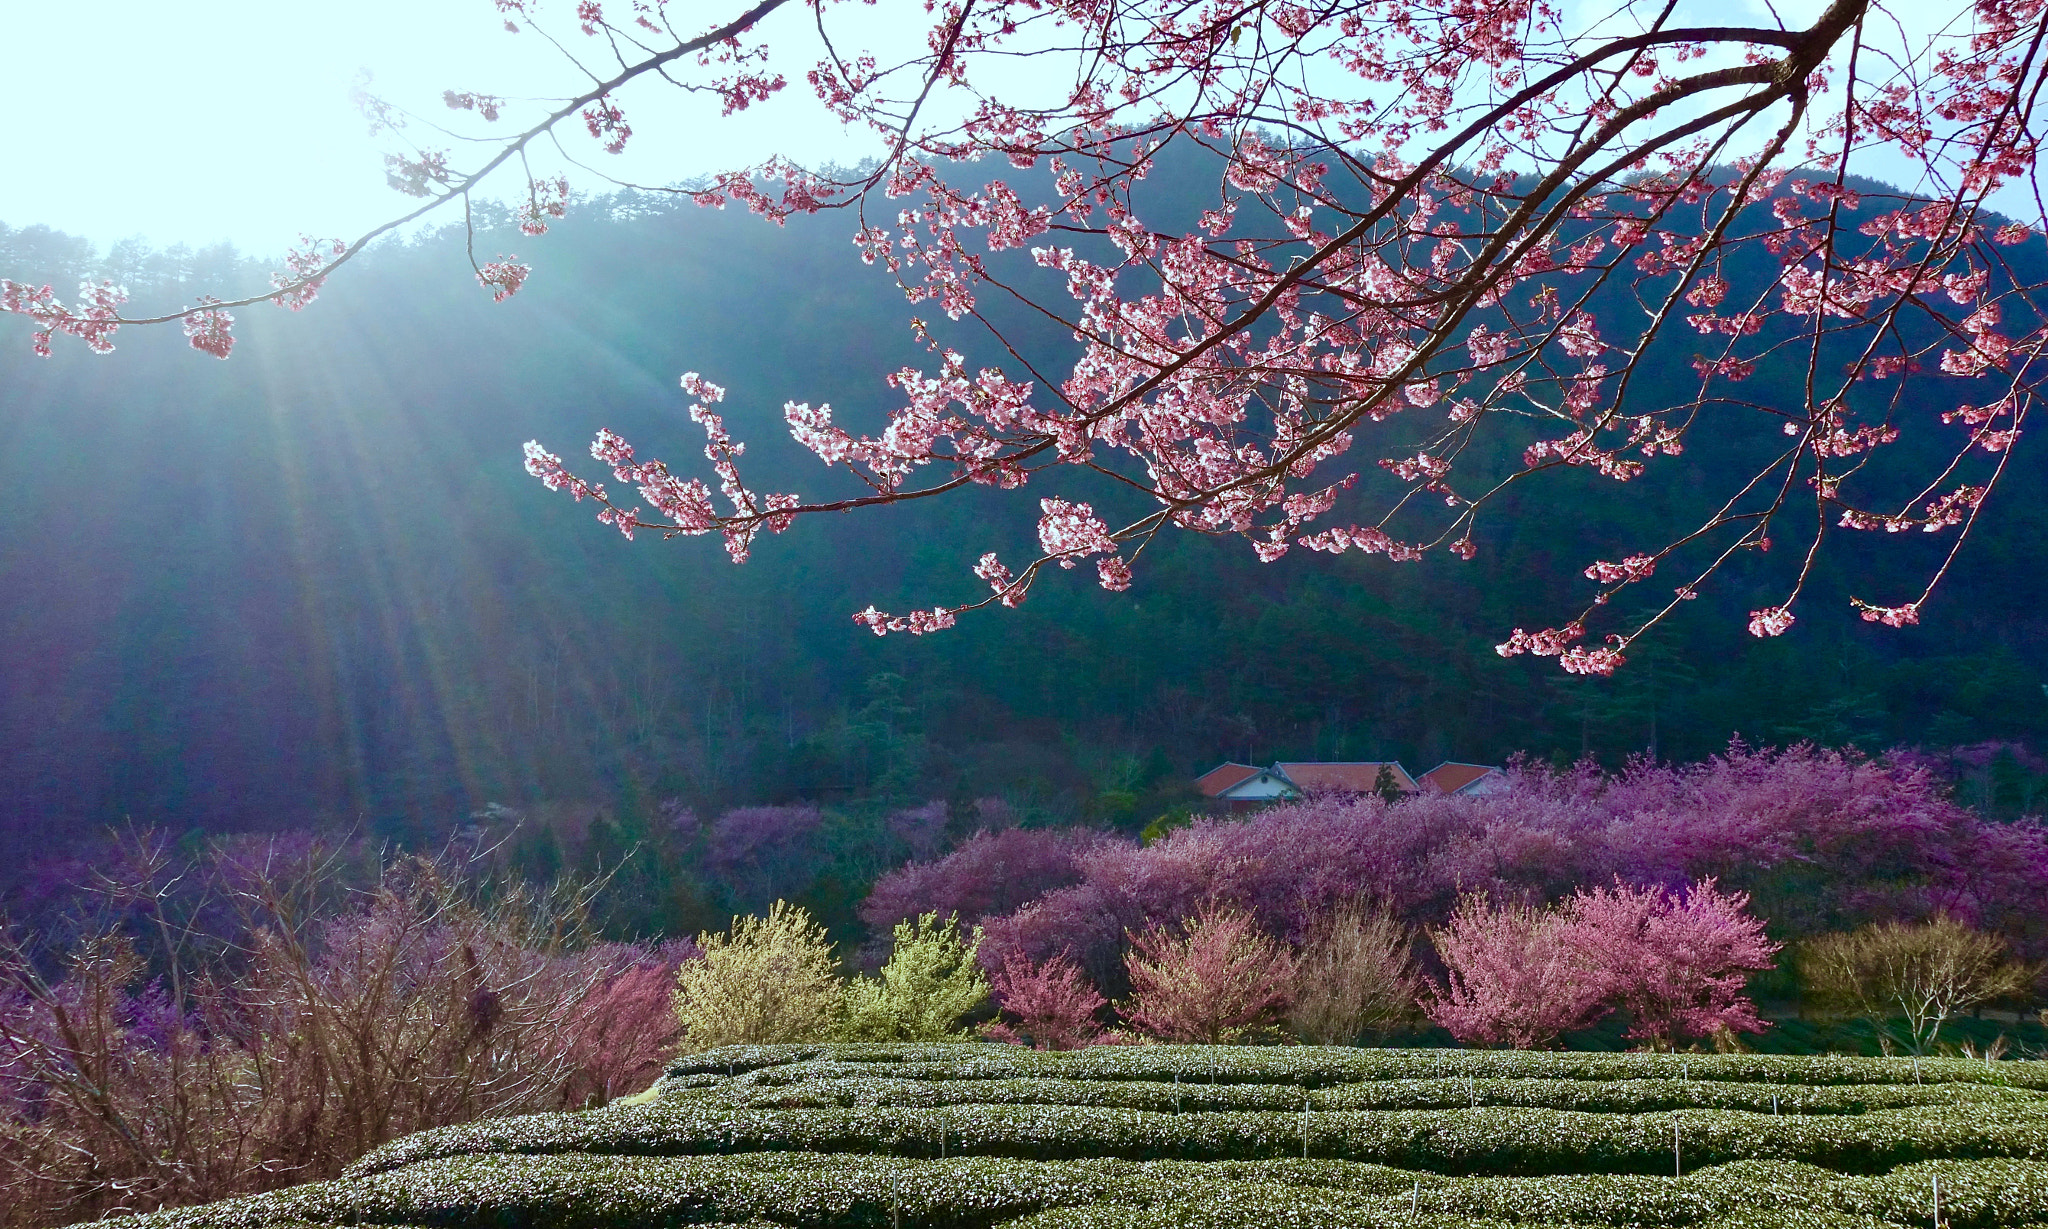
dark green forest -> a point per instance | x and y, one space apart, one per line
313 586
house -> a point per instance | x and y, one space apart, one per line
1241 787
1346 777
1245 786
1222 777
1451 777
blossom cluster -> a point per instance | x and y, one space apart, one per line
305 269
92 321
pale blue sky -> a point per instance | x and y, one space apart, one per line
232 120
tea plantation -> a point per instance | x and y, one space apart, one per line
907 1137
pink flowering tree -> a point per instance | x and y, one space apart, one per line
627 1030
1215 979
1514 975
1049 1005
1676 962
1431 236
921 829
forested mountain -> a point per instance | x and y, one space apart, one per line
313 584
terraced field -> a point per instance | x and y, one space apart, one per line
978 1136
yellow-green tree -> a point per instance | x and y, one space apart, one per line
931 982
767 980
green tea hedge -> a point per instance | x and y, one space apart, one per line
1633 1096
982 1137
1312 1065
590 1192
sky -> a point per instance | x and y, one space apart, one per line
232 120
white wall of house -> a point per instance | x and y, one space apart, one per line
1264 787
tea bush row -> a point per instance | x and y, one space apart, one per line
983 1137
602 1192
1319 1065
1627 1096
1496 1139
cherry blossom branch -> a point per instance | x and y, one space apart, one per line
1423 208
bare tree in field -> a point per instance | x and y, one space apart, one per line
1436 234
1924 974
1355 977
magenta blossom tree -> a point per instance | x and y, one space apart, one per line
627 1029
1429 235
920 829
1048 1005
1675 961
1514 975
764 852
989 873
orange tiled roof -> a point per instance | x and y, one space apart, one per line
1355 777
1223 776
1449 778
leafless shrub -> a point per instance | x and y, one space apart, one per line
1355 977
1922 973
157 1062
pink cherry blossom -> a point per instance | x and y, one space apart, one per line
1770 621
503 278
298 284
1069 532
92 321
1633 568
1514 975
607 125
210 331
1890 616
545 198
1047 1005
1676 962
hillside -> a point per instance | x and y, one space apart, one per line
326 594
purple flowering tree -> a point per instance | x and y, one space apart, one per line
764 853
991 873
1818 840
